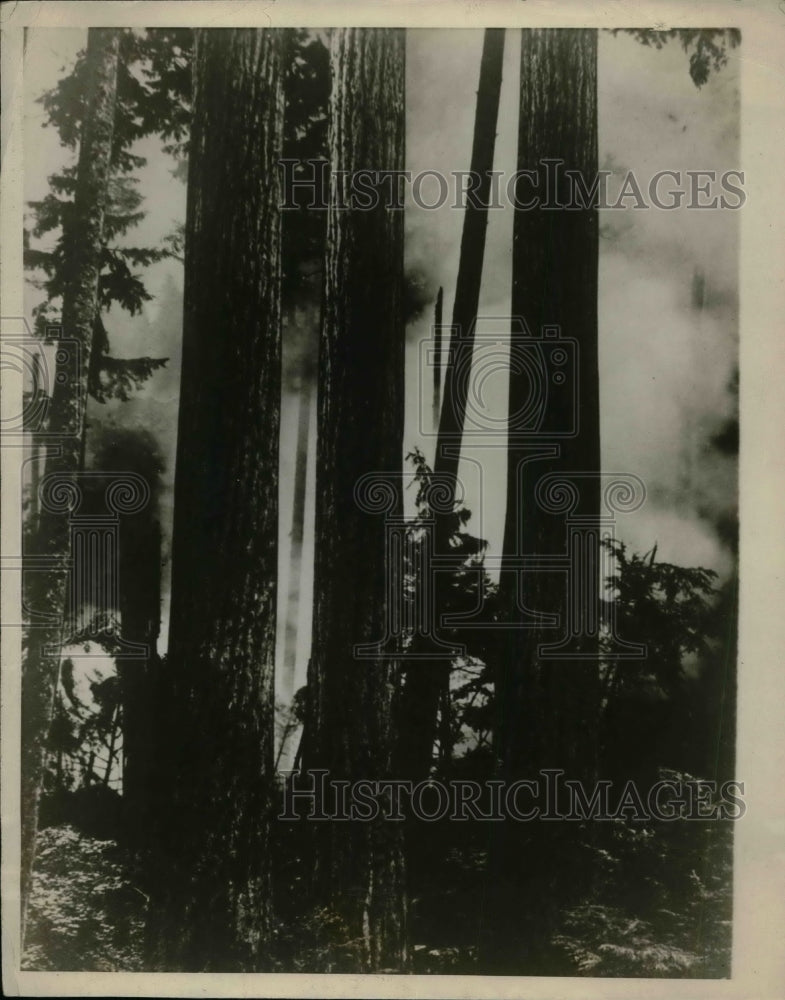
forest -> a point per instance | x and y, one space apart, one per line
170 810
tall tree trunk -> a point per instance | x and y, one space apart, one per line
212 909
47 590
39 393
293 602
140 616
547 708
359 868
428 682
555 260
437 368
467 287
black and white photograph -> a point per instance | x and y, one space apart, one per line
375 485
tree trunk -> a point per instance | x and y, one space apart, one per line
212 910
428 683
114 725
359 866
46 590
437 368
140 616
547 708
467 287
39 391
298 531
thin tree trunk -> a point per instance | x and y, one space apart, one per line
298 531
114 725
437 368
35 446
467 287
359 868
428 682
87 778
212 907
47 590
547 709
445 726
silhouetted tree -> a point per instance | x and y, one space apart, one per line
427 682
118 449
546 708
349 731
212 905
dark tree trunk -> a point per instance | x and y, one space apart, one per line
547 709
555 258
212 909
437 368
36 447
359 868
467 287
46 591
427 683
114 731
140 615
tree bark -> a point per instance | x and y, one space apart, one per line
359 866
46 590
212 911
547 708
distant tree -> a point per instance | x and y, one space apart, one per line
306 93
152 97
467 286
427 683
438 334
118 92
83 238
